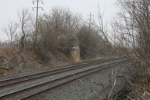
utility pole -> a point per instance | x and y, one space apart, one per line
37 8
90 20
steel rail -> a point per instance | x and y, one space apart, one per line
35 90
46 73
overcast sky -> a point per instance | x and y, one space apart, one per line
9 9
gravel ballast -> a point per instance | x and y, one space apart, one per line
88 88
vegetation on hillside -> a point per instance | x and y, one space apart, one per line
58 31
132 29
49 43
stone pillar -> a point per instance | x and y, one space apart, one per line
75 53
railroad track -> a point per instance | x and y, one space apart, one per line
20 88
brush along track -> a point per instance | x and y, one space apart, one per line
33 90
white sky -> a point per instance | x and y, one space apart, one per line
9 9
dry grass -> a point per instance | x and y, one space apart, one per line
52 60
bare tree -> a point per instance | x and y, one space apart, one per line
11 30
58 28
24 18
133 28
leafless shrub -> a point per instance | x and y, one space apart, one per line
57 28
60 30
91 43
25 18
11 30
132 26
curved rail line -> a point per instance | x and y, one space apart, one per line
38 89
27 78
34 76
